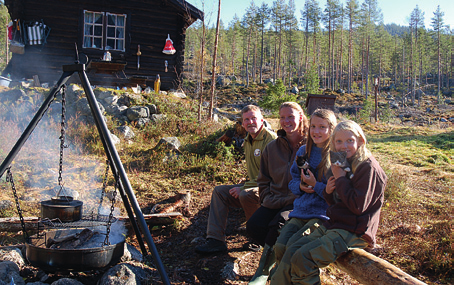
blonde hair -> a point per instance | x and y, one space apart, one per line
304 124
330 117
362 153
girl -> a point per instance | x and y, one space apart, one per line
353 219
309 207
276 200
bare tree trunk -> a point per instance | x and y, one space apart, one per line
199 115
261 56
213 75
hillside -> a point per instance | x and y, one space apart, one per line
415 148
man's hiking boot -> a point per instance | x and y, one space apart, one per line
211 246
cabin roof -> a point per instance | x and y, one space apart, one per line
183 5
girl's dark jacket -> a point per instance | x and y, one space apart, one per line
361 198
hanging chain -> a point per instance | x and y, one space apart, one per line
62 135
112 208
9 178
104 185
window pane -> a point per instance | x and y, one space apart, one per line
120 33
111 20
88 17
97 43
87 42
111 32
98 18
88 30
110 44
121 21
120 45
98 31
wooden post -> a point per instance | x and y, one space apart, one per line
377 80
371 270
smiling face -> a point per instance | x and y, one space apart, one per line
290 119
319 130
252 122
345 140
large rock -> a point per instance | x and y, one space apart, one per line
9 271
131 253
126 132
126 274
136 112
12 254
170 143
66 281
83 107
177 93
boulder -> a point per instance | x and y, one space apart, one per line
152 109
9 272
136 112
6 205
66 281
170 143
12 254
142 122
177 93
158 117
131 253
294 90
126 132
125 274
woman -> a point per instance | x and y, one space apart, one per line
276 199
309 207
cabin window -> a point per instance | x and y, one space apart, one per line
104 31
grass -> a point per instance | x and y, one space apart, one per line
415 232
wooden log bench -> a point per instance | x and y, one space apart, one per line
371 270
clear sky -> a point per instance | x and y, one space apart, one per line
394 11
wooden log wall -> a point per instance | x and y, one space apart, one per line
147 24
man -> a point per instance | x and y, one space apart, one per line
241 195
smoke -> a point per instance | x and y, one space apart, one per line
36 166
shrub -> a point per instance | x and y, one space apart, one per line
275 96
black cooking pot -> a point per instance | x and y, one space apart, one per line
51 260
64 208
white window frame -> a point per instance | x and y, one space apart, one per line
98 34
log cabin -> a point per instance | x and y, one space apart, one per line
121 42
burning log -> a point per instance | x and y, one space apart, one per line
72 241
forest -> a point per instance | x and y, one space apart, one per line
339 46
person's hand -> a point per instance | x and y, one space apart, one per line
330 185
306 188
308 180
337 171
235 192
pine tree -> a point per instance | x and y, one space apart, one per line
437 25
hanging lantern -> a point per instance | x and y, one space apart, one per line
168 48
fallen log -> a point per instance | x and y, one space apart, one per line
369 269
31 223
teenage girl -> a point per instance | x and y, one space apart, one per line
275 198
309 207
353 219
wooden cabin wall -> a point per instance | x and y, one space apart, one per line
148 22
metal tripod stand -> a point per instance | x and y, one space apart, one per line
129 200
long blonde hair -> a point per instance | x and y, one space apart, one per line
362 153
330 117
304 124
